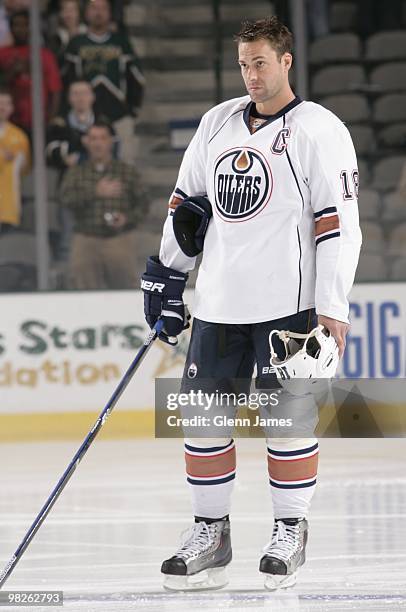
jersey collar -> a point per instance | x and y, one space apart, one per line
271 118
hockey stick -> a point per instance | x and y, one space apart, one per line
81 452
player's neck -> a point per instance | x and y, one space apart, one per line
275 104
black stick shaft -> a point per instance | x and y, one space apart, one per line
80 453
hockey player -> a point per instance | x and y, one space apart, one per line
280 252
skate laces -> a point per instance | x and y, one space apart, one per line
196 539
284 542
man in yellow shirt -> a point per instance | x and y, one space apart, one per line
14 161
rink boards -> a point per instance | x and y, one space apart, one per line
62 354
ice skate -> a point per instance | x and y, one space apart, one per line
200 562
284 554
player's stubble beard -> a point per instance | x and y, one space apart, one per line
265 96
269 91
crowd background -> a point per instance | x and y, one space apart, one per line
124 87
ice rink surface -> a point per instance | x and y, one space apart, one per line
124 509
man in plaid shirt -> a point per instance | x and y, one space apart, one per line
107 200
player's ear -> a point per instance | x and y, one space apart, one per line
287 60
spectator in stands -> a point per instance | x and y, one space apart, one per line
107 200
107 60
65 146
69 25
118 6
13 6
5 35
15 64
14 161
402 184
7 7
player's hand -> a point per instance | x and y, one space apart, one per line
163 297
338 329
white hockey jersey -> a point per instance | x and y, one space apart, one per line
284 235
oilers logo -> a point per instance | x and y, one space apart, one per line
192 371
242 184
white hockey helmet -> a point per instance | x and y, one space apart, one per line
307 356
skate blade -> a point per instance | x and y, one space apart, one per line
273 582
210 579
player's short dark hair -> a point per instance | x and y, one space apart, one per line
271 29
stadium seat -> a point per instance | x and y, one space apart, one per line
177 15
387 172
338 79
397 241
364 173
369 204
243 11
371 267
343 16
157 213
53 178
180 80
363 137
373 238
389 108
398 269
394 206
17 247
386 46
335 48
352 108
27 186
17 277
148 242
18 262
389 77
392 136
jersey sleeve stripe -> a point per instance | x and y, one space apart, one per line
326 211
180 193
327 237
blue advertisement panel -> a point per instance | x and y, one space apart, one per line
376 342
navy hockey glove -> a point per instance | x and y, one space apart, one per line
190 222
163 290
